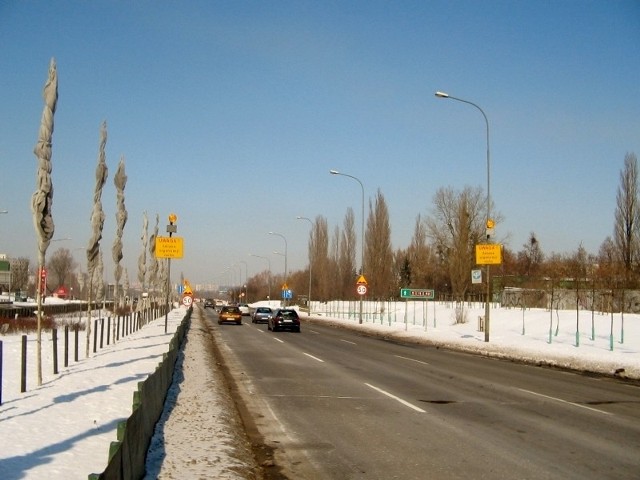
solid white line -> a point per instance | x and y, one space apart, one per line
565 401
277 340
404 402
347 341
315 358
412 359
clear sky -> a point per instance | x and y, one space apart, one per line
231 114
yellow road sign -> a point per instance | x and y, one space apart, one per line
169 247
361 280
489 254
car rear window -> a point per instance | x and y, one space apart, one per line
263 310
231 309
289 314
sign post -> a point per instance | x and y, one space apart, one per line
416 293
488 254
169 247
361 289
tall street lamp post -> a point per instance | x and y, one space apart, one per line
286 272
246 278
171 229
336 172
309 297
489 223
268 272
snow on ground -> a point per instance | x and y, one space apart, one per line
63 428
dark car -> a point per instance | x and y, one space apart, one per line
261 315
230 313
284 319
209 303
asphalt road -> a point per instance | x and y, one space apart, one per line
338 405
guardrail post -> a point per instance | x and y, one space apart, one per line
23 370
55 350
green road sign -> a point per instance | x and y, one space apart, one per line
423 293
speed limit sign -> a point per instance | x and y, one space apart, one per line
187 300
361 289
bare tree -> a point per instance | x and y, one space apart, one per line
627 216
378 253
333 267
455 227
154 267
347 258
120 182
555 270
420 257
142 259
97 225
530 258
60 268
319 256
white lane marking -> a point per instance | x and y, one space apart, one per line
337 397
315 358
404 402
412 359
313 331
565 401
347 341
277 340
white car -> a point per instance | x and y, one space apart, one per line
244 308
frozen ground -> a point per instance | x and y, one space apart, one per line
63 428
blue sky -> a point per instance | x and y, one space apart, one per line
231 114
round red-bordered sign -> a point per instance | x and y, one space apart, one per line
361 289
187 300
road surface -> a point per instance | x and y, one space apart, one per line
335 404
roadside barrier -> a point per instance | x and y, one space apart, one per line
127 455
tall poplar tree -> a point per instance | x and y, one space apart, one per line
627 216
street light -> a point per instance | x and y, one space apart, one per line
245 280
489 224
239 278
310 223
285 254
336 172
268 273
